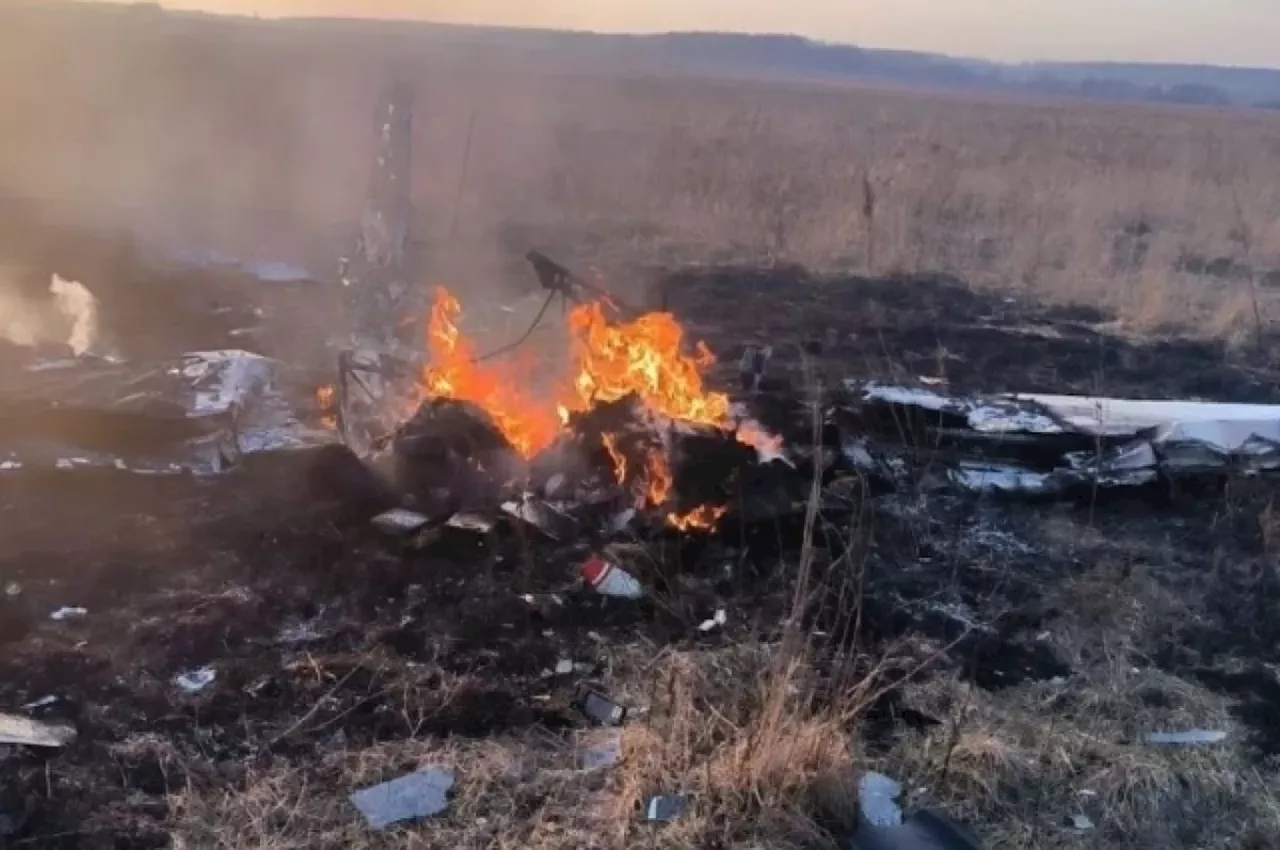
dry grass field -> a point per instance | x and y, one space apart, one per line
258 137
256 140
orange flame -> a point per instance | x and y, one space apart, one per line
701 517
643 358
325 402
453 373
618 458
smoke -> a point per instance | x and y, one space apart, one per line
77 304
69 316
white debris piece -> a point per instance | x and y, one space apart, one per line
194 681
877 795
43 702
420 794
470 522
1081 823
1190 737
718 619
68 614
399 521
15 729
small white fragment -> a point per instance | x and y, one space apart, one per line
564 667
720 618
554 483
40 703
666 807
68 613
12 589
876 796
399 521
1190 737
194 681
470 522
1081 823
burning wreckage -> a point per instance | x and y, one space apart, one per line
620 431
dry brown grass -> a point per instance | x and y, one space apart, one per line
754 761
262 140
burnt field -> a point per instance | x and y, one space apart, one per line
252 650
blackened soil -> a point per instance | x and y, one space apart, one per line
938 327
318 627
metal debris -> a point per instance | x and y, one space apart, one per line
43 702
470 522
1190 737
400 521
15 729
541 515
194 681
598 708
1080 823
420 794
609 579
877 794
68 613
602 748
665 807
717 620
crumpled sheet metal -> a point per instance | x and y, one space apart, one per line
1103 441
200 413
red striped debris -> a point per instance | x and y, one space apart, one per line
609 579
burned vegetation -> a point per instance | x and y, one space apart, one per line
854 562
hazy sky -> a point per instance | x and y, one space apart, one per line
1236 32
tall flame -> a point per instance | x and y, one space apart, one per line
529 425
643 358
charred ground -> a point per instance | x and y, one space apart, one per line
1002 658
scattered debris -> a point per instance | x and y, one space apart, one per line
15 729
541 515
1191 737
420 794
924 830
68 614
602 748
598 708
400 521
194 681
608 579
564 667
666 807
877 794
717 620
43 702
12 589
470 522
1080 823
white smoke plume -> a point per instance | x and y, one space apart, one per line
78 305
68 317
